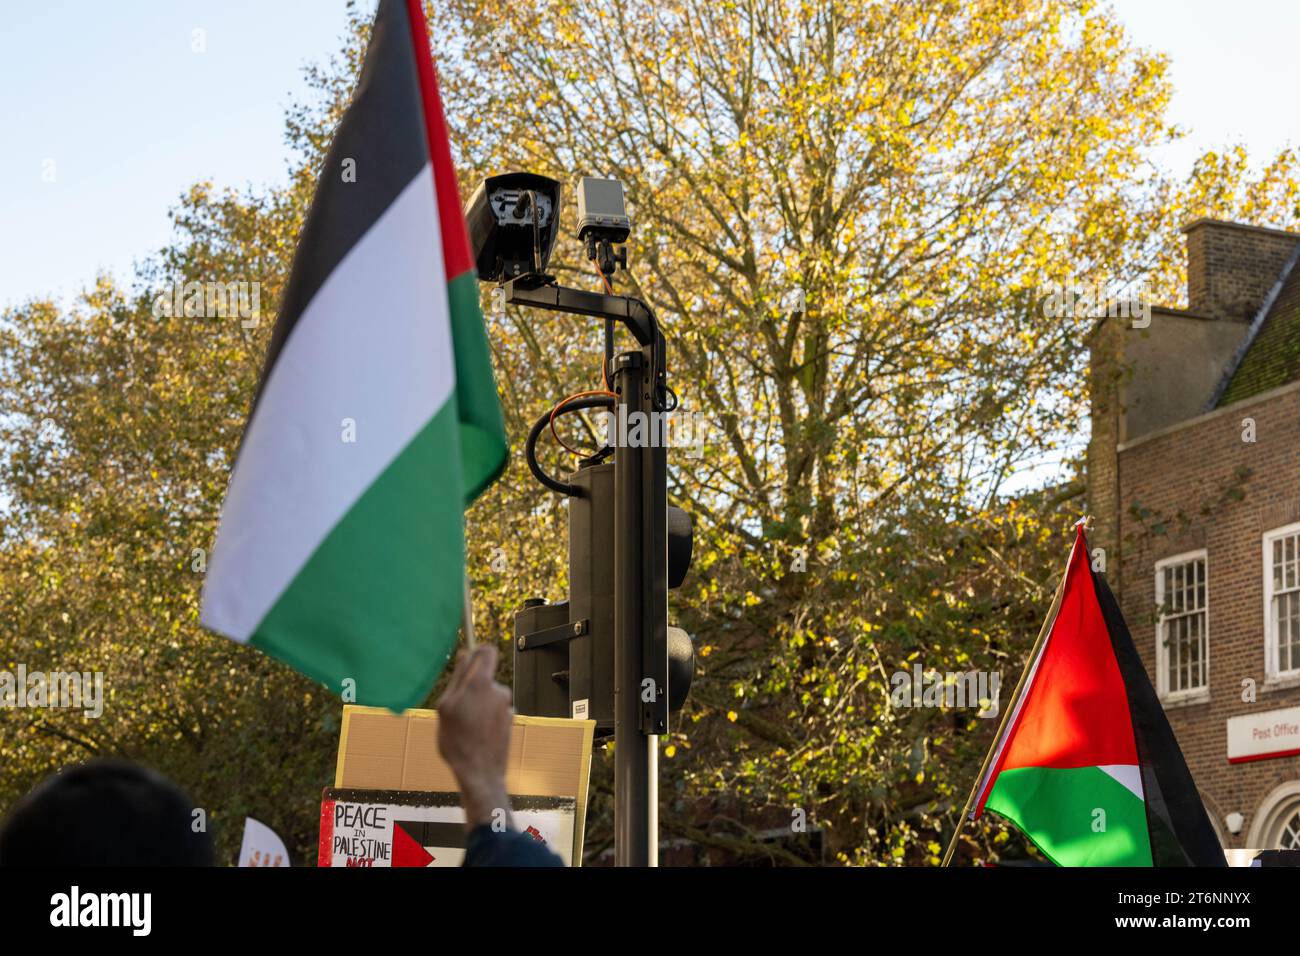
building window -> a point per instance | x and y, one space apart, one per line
1282 601
1289 838
1182 647
1277 821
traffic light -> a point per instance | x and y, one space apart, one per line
564 652
607 653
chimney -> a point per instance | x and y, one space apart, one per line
1143 380
1231 267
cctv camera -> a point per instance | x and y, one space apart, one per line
513 220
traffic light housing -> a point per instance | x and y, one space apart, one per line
564 652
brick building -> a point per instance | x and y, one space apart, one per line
1194 478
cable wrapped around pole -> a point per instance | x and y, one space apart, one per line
530 447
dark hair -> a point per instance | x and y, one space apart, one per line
104 813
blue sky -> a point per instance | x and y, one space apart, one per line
115 96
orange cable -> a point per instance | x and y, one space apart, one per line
556 410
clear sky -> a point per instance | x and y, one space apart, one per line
130 115
1233 66
113 92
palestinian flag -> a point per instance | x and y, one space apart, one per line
341 547
1086 765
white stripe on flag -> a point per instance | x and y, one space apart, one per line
374 346
1126 773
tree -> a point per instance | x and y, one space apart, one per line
846 214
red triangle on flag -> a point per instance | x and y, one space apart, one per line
407 851
1075 712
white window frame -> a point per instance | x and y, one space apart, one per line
1162 651
1271 671
1275 810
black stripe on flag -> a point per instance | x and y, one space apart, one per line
1179 830
435 833
383 132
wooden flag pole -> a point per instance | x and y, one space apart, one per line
1011 705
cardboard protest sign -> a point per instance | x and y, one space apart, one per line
550 757
402 828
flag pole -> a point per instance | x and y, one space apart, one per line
1011 704
467 616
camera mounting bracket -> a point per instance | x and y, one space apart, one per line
542 292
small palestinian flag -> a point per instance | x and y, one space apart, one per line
1086 765
341 547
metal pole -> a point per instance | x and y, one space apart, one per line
635 816
640 564
652 798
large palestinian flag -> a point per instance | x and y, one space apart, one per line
1086 765
341 546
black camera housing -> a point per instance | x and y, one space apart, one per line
513 220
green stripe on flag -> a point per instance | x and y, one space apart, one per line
482 429
1058 810
379 601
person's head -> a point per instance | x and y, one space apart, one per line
104 813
